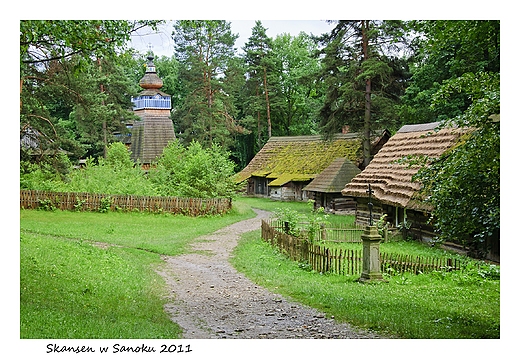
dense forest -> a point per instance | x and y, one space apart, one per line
77 79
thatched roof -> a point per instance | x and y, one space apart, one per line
334 178
392 181
300 158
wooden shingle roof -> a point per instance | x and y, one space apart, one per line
391 180
149 138
334 178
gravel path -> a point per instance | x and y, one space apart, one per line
210 299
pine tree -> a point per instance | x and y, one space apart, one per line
257 51
356 67
204 49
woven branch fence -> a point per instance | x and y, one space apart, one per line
79 201
347 261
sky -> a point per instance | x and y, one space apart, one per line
162 44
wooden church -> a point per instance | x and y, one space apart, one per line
154 129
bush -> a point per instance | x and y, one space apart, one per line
194 171
116 174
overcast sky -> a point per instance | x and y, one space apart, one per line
162 43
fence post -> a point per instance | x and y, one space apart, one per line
286 227
323 232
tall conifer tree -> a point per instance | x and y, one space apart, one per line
205 50
257 51
357 73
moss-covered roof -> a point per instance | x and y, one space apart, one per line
301 157
288 177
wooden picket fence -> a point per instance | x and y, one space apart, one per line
349 262
335 233
79 201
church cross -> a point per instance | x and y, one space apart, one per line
370 204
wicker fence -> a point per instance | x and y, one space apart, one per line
349 262
75 201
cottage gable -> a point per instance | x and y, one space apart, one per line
286 164
334 177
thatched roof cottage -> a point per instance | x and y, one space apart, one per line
285 165
394 192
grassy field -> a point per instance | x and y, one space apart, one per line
462 304
92 275
438 305
72 289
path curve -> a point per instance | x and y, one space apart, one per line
209 299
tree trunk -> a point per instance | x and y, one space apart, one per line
259 137
104 126
368 99
268 106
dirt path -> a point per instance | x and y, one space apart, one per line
210 299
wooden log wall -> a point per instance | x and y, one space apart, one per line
363 212
76 201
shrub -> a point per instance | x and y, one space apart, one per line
194 171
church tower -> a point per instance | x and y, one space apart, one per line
152 132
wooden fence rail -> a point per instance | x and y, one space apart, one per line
349 262
80 201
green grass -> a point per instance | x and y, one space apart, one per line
438 305
272 205
73 285
158 233
302 208
72 289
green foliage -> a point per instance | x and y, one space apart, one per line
317 219
73 90
298 223
194 171
359 70
204 49
105 204
291 220
464 184
295 95
118 157
447 50
183 172
115 175
44 175
382 224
